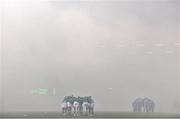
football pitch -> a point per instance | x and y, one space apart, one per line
100 115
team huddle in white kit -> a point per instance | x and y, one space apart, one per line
77 106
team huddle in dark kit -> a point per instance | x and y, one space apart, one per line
77 106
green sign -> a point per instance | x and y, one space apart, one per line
40 91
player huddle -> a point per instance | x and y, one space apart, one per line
77 106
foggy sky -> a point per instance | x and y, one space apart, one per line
113 50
